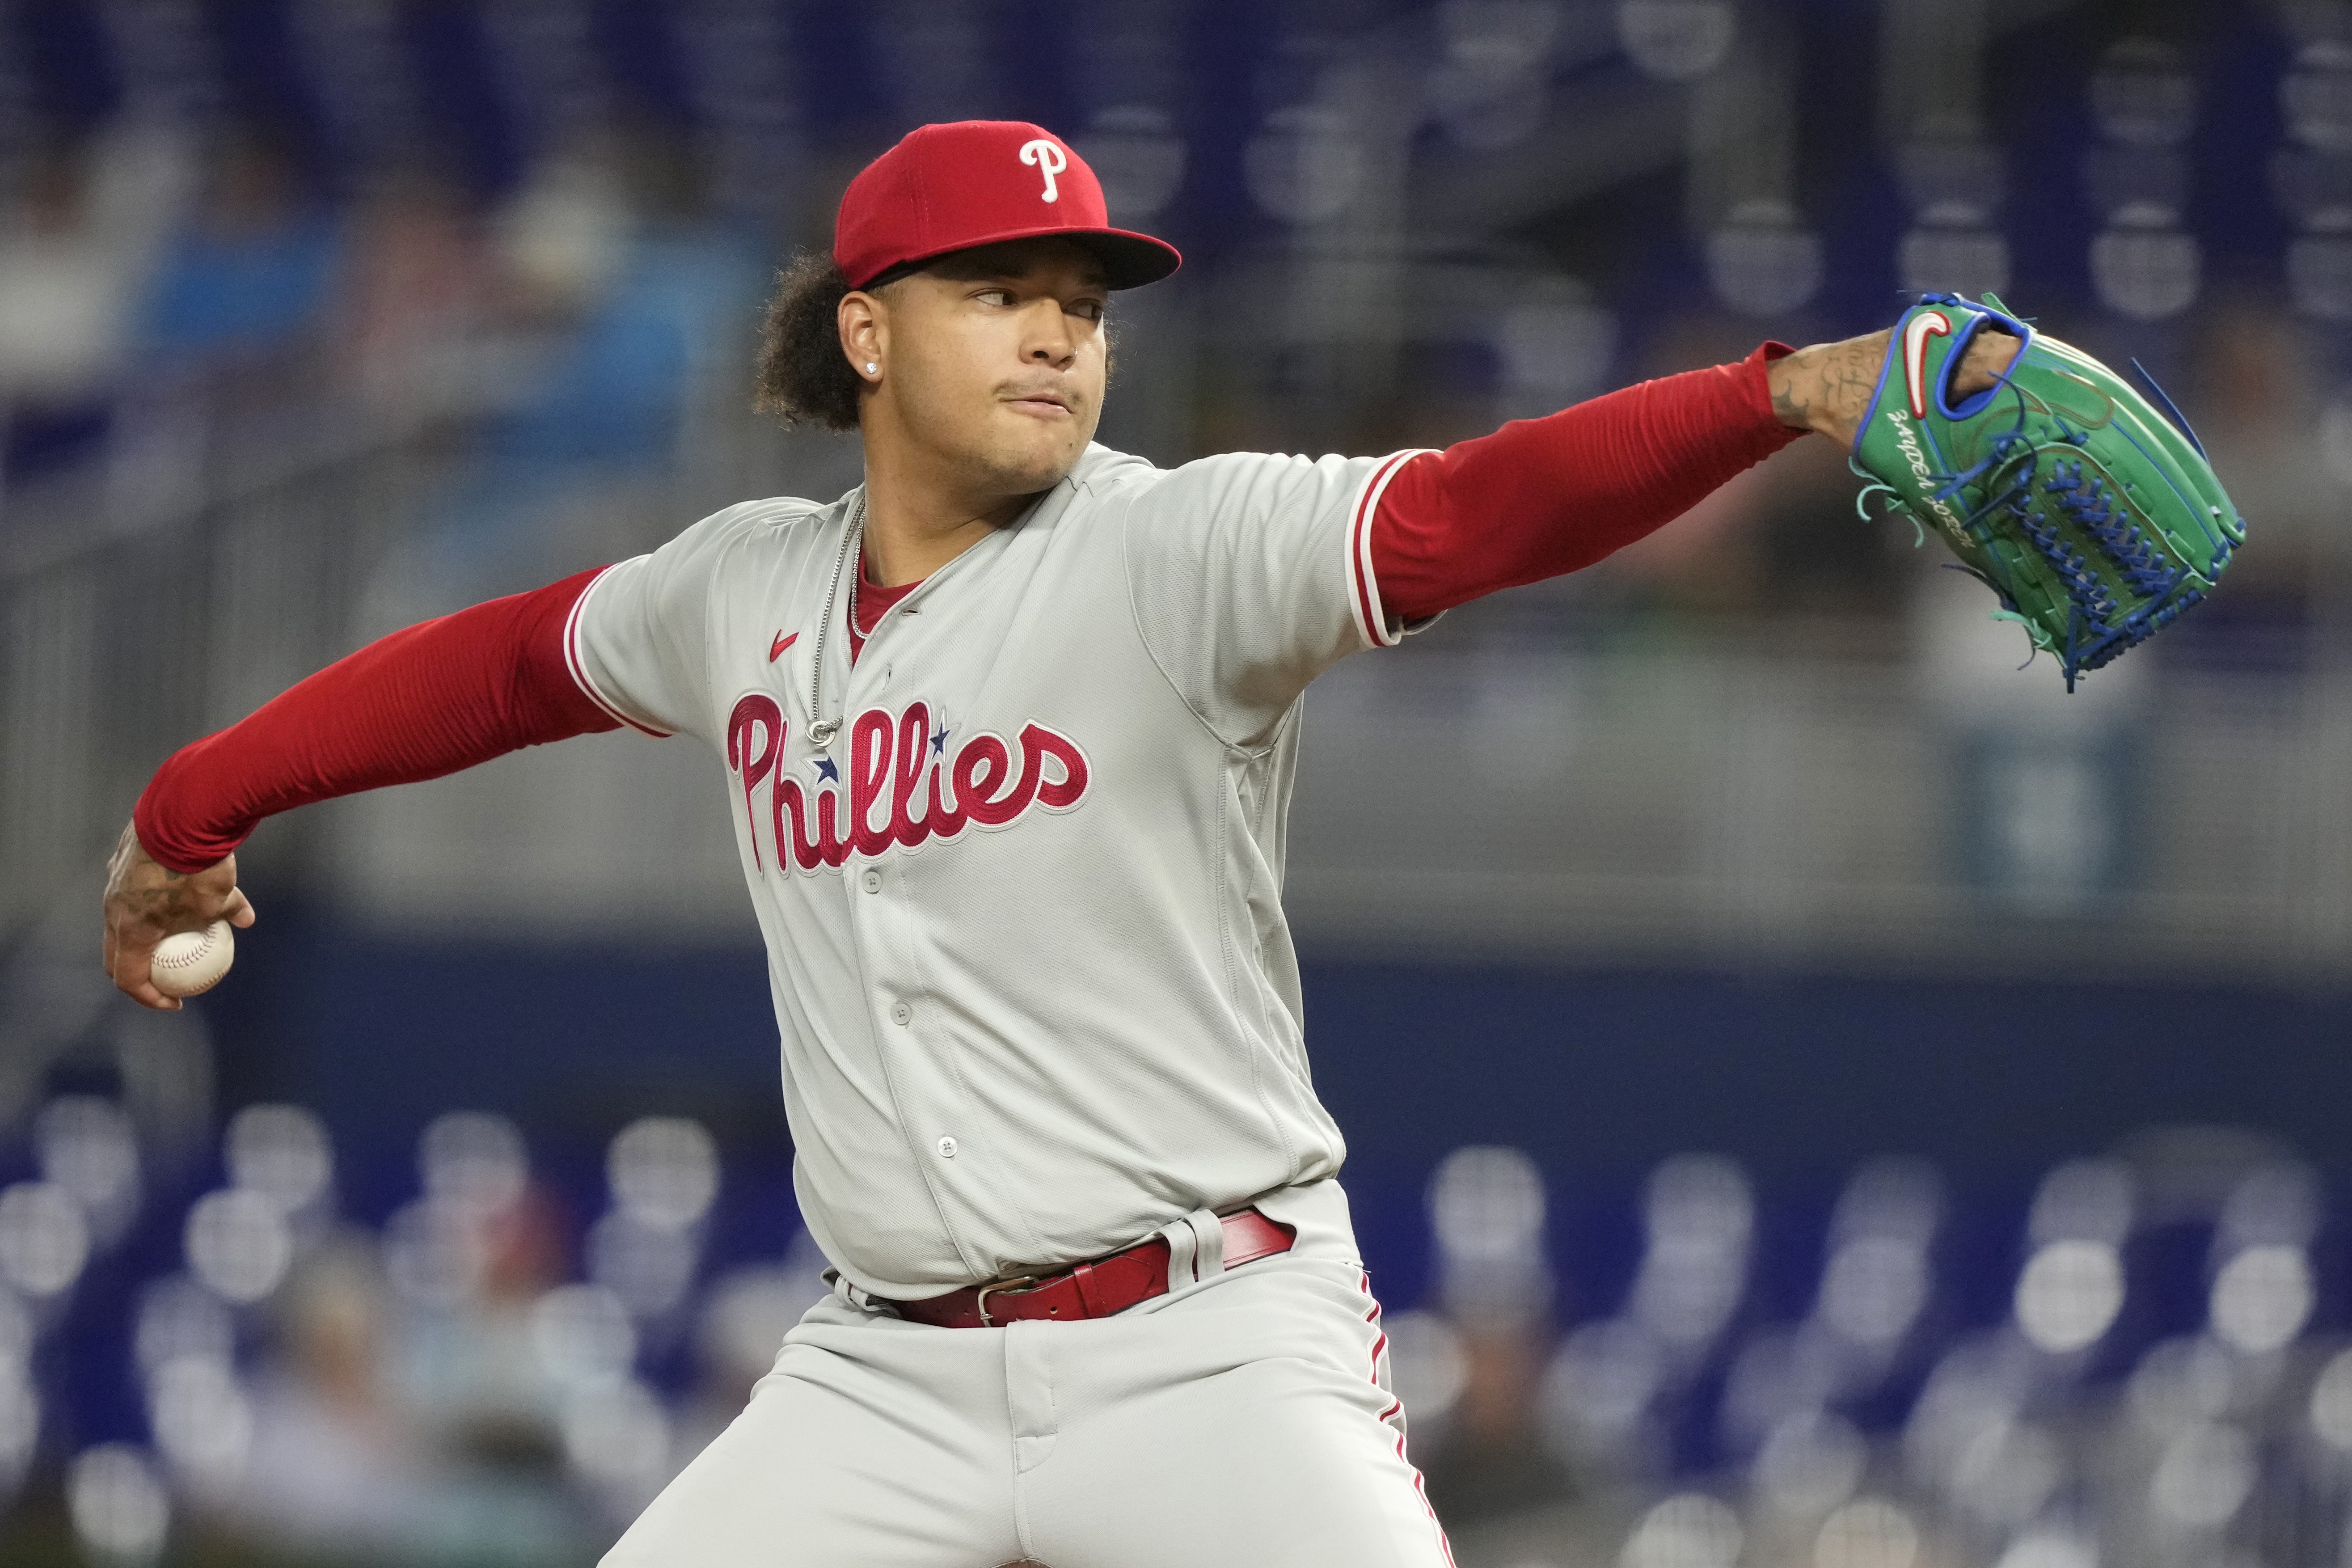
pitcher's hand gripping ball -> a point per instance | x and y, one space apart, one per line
192 962
2094 516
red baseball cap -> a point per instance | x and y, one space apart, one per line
978 182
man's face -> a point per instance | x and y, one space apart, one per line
996 363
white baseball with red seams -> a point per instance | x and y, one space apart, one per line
190 962
1024 906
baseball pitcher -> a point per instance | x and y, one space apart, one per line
1009 732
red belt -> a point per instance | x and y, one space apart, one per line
1095 1289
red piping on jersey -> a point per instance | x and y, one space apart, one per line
572 662
1361 577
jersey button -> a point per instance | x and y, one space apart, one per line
900 1013
873 880
947 1148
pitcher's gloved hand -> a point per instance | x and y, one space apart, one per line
1828 387
2090 509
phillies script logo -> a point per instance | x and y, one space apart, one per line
903 787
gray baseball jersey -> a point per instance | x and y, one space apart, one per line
1023 914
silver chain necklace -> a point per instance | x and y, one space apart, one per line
823 730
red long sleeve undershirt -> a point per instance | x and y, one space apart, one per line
1541 497
435 698
1536 499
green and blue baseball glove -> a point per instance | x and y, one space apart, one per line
2091 511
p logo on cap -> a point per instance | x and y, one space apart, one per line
982 182
1048 156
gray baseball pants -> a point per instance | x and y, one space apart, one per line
1244 1418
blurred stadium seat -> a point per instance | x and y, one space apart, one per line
2156 1368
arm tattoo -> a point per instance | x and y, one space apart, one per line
1788 409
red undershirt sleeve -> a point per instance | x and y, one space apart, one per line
1543 497
423 702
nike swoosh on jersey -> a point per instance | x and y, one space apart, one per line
782 642
1916 334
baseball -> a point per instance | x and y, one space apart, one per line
191 962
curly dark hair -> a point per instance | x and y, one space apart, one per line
805 378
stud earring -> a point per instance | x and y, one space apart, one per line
871 368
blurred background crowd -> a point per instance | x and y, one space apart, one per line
1818 1094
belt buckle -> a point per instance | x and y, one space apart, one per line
979 1301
